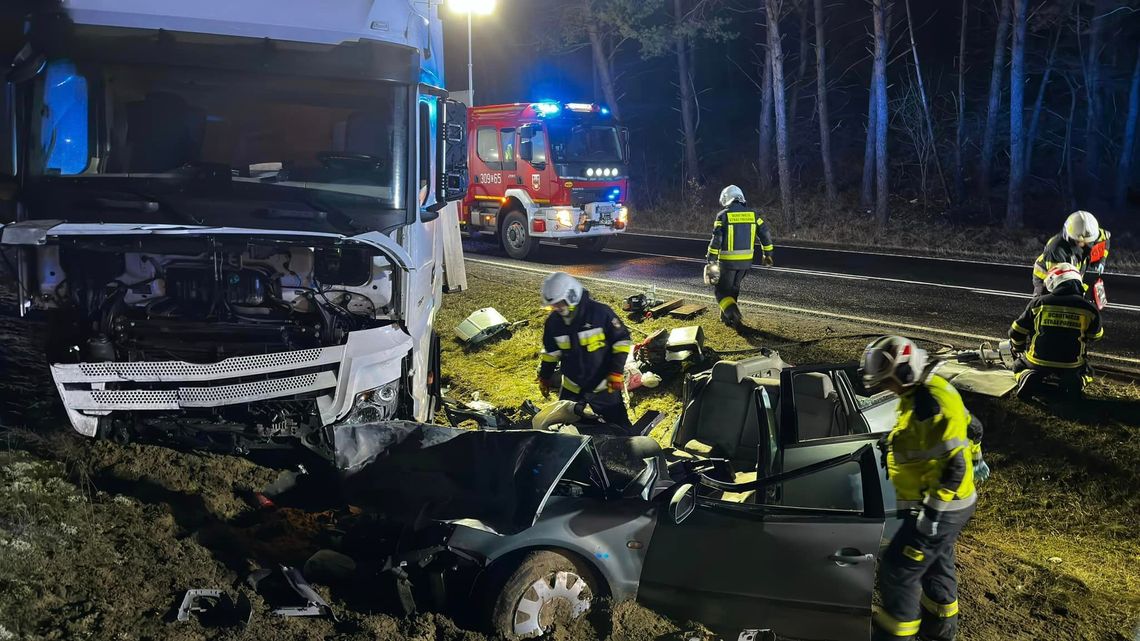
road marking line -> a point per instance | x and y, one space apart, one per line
874 253
847 317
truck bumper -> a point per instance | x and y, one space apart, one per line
568 223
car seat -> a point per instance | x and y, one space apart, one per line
721 422
819 413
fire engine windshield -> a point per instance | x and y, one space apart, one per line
585 143
128 120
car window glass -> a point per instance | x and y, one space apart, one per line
835 488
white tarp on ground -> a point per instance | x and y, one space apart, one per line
993 381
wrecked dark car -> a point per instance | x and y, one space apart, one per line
765 529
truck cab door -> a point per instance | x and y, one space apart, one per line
487 164
803 573
821 418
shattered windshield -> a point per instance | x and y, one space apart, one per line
585 143
340 135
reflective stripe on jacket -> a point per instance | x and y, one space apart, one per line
1056 329
734 236
932 449
594 344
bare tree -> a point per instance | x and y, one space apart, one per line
1014 214
801 72
776 55
960 134
688 107
996 73
1124 167
882 168
766 123
1031 135
1095 111
909 120
925 106
867 194
821 104
602 67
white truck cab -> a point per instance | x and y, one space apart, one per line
226 211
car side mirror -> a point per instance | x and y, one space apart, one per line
683 503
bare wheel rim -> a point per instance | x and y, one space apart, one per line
516 235
550 597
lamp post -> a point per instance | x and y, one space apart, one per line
471 7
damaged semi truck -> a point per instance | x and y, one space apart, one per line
227 213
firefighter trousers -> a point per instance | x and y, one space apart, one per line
607 404
728 291
918 584
1033 380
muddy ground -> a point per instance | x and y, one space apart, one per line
99 540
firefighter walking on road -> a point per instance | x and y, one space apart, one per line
590 343
1081 243
733 245
1051 337
933 458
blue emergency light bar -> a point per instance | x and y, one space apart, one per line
547 108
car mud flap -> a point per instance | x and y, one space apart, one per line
494 480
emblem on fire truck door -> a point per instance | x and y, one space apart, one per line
536 181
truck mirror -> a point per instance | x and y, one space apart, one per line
526 149
625 144
526 132
453 145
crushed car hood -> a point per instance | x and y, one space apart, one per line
495 480
45 232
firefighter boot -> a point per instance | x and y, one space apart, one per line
731 316
1028 383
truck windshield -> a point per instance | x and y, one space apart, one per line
340 135
585 143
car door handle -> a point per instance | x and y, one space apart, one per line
848 556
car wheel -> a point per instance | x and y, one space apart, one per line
516 238
547 589
594 245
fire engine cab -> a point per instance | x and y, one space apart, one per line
546 170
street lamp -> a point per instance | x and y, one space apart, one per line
477 7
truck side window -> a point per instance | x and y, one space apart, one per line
426 177
538 148
63 130
508 148
487 147
7 130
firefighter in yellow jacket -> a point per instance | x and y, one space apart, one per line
934 460
731 249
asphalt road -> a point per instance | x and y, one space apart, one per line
964 300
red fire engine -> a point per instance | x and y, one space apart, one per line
545 170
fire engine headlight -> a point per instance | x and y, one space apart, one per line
614 171
623 213
590 172
564 218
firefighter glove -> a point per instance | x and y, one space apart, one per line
766 260
544 386
926 524
981 472
616 382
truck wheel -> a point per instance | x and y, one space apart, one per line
547 589
516 238
594 245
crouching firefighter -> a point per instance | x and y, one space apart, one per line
1050 338
591 344
933 458
731 249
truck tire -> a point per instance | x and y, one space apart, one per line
516 239
593 245
545 590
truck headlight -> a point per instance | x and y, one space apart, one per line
376 404
564 218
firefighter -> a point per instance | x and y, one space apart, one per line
1081 242
1051 336
731 249
591 344
933 458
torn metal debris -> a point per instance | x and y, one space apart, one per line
215 608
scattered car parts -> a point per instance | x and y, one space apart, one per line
287 586
482 325
215 608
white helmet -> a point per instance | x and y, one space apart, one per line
892 357
729 194
1081 226
1061 273
561 287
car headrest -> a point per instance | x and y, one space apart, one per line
813 385
725 372
643 447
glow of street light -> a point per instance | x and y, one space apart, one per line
477 7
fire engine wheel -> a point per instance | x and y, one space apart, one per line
547 589
594 245
517 241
